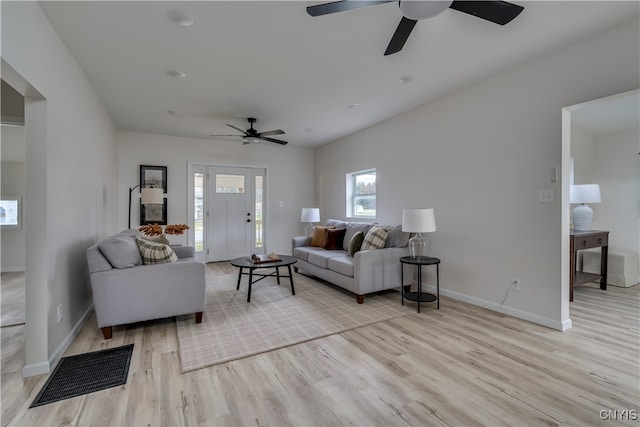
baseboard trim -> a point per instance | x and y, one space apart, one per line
520 314
12 270
45 367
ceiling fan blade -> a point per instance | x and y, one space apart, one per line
400 36
238 129
272 132
226 135
341 6
277 141
499 12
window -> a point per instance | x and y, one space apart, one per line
229 183
361 194
10 213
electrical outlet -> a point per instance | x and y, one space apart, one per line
515 284
60 313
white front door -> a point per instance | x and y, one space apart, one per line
230 220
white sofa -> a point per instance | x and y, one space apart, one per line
367 271
126 291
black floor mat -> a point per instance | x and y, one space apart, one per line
86 373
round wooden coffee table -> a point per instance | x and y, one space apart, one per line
245 263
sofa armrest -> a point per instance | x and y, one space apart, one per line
378 269
299 241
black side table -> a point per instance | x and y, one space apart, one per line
421 296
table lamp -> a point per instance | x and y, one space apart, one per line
310 215
583 214
418 221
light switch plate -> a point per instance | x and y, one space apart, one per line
545 196
280 204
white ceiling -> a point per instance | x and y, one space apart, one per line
273 61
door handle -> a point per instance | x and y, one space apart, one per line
248 220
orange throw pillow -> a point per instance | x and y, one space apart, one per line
318 238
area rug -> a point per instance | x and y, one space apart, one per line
86 373
232 328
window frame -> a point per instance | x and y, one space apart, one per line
351 179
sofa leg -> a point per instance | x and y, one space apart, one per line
295 269
199 317
407 288
107 331
360 299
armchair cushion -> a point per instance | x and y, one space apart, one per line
121 251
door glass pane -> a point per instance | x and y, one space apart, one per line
258 209
198 220
229 183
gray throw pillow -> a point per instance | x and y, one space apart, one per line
356 243
121 251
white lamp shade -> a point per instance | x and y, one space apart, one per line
585 193
152 196
418 220
310 215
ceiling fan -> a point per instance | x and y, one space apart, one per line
251 135
499 12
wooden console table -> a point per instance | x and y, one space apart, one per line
585 240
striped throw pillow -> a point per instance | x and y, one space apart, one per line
155 253
375 239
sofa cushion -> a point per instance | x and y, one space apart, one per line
317 239
336 223
375 238
155 253
353 228
333 238
121 251
303 252
356 243
396 238
321 258
342 265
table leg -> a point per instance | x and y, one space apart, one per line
239 277
250 282
572 267
293 291
278 274
419 286
438 284
402 281
604 254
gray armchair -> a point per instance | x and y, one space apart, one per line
126 291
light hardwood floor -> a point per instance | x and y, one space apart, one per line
461 365
12 310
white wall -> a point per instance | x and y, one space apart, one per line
289 177
479 157
70 184
12 240
618 174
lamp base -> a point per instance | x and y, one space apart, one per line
418 247
582 218
308 230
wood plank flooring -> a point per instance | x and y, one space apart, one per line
12 310
459 366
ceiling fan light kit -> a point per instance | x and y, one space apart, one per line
498 12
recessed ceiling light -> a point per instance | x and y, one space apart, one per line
173 112
310 130
177 74
404 79
180 18
354 106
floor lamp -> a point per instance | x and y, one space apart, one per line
150 196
